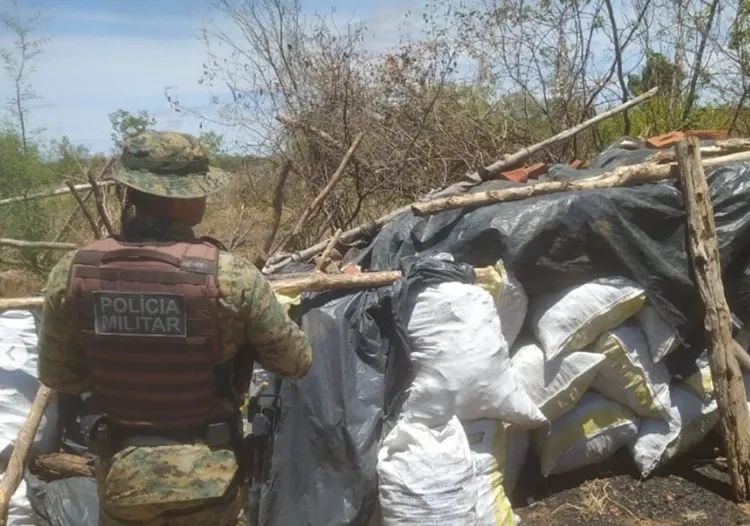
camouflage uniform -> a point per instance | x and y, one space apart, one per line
173 484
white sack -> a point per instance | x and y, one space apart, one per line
461 360
658 441
661 338
588 434
510 300
701 383
18 387
554 385
629 375
572 319
426 476
489 447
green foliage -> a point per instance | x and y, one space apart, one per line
126 124
213 143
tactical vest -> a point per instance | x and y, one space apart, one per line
148 317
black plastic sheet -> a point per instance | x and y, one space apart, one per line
65 502
325 452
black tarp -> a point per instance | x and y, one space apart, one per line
66 502
561 240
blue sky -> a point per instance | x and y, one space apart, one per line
108 54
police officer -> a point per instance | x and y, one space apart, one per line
149 323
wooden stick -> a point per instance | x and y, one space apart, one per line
55 466
325 257
14 471
509 161
82 205
646 172
278 209
100 203
295 284
719 148
312 207
725 371
44 245
72 216
52 193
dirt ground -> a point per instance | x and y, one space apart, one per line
694 490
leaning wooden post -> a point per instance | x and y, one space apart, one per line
725 370
17 463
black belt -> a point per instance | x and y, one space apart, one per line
224 433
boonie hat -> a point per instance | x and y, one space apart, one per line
169 164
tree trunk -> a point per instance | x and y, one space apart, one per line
725 370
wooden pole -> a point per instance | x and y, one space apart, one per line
642 173
296 284
44 245
51 193
14 471
725 370
84 210
99 199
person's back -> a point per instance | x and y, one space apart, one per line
151 324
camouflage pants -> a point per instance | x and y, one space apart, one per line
223 512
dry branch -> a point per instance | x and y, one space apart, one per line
719 148
17 462
44 245
312 207
73 215
278 209
646 172
725 370
99 198
84 210
294 284
325 257
51 193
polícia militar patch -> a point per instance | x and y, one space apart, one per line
139 314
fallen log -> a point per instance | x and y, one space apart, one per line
719 148
706 269
48 245
51 193
55 466
643 173
17 462
297 284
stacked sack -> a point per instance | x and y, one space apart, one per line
585 379
597 365
461 439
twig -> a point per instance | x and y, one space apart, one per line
84 210
44 245
71 218
278 209
325 257
312 207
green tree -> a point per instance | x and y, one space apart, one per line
212 142
18 63
126 124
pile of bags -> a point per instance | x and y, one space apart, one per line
572 376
